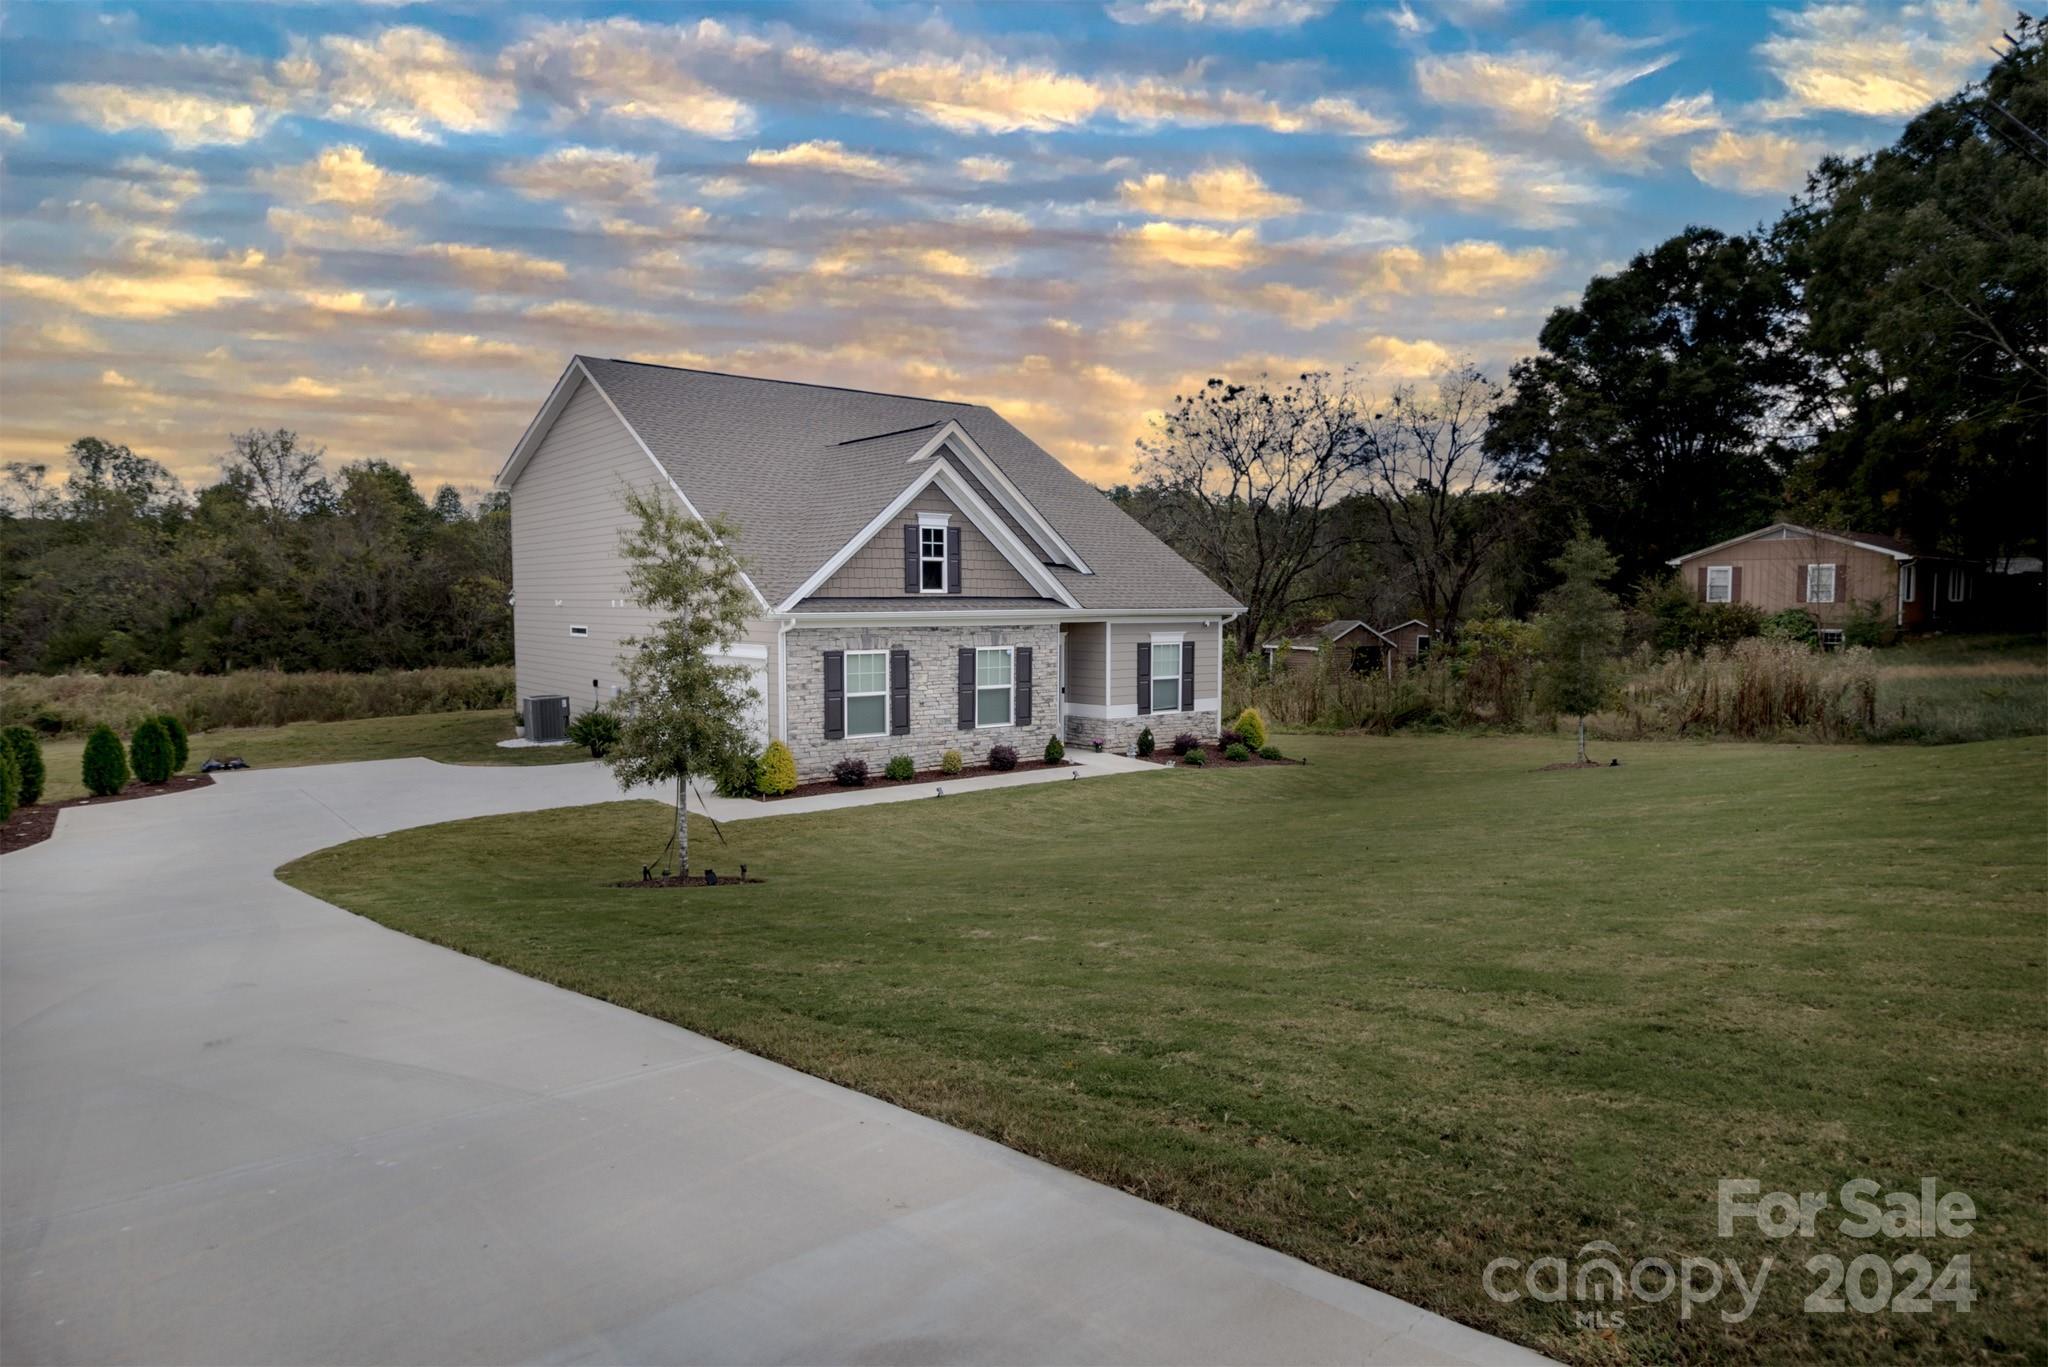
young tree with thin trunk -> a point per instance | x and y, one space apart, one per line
1580 627
682 711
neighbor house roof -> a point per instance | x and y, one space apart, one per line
1331 631
1869 541
804 468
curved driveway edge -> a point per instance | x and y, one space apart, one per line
239 1125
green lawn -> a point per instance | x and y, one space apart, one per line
452 737
1409 1009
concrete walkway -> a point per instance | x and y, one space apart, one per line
238 1125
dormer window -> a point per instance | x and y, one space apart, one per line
931 553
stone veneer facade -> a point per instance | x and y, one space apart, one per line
1118 733
934 696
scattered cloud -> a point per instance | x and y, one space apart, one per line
584 174
829 156
1864 60
345 176
1755 163
1193 245
984 169
1221 13
186 119
1480 179
1222 194
1629 140
11 128
157 274
496 267
406 81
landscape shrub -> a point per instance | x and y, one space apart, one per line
72 704
1252 727
1868 626
10 783
596 731
776 772
1145 742
1270 752
951 763
149 752
899 768
1055 751
104 768
743 779
850 773
1793 624
1667 613
181 743
1002 758
1238 752
1186 741
27 750
1229 737
1195 757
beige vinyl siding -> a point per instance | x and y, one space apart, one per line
1085 644
567 514
1774 569
1123 656
876 569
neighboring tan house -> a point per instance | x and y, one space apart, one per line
1412 640
927 577
1831 575
1354 648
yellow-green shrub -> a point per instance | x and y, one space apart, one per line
777 769
1252 727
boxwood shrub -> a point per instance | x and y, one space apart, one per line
1195 757
951 763
1237 752
899 768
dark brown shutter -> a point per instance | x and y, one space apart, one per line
952 560
1735 585
1023 678
1802 572
1187 676
835 694
899 692
1144 677
966 688
1703 583
913 572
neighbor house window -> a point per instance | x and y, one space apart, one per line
1958 586
1720 583
1908 582
1820 583
1421 648
867 692
931 558
1166 676
1831 638
993 684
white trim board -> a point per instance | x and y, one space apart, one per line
952 434
1782 527
979 513
1123 711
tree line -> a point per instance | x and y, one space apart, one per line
1875 360
278 564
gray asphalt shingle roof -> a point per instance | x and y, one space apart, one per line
802 468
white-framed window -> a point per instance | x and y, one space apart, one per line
931 557
1166 675
1422 647
867 693
1830 638
1820 583
995 683
1909 582
579 631
1958 585
1720 583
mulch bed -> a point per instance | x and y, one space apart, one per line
33 825
875 780
1212 758
678 881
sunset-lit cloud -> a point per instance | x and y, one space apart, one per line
826 155
584 173
1227 194
1755 163
185 119
1194 246
1481 178
1882 61
406 81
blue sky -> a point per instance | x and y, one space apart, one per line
388 226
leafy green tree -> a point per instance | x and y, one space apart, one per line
683 711
104 766
1649 409
1580 627
149 752
27 749
1923 271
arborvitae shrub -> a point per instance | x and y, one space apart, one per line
1055 753
27 749
10 783
1145 742
777 770
149 752
181 743
105 767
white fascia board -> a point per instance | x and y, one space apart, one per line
978 512
537 430
662 470
1008 494
1790 527
982 616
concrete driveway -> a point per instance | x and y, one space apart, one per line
238 1125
